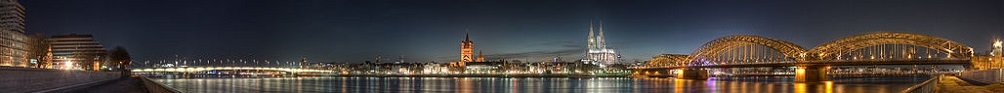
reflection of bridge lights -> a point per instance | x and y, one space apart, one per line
801 88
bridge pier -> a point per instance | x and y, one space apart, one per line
810 73
694 74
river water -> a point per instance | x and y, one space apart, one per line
535 85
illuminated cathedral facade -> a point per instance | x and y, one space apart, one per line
597 51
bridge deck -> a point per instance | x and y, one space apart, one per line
832 63
195 69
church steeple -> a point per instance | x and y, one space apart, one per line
481 56
467 48
591 42
467 35
600 40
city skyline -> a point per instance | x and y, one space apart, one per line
428 31
532 46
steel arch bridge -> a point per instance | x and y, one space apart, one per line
878 48
712 52
731 50
833 50
200 69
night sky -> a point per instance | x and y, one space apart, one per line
431 30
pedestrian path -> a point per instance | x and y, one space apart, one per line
952 84
122 85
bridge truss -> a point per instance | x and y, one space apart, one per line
869 47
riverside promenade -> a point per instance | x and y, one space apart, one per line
120 85
979 81
33 80
953 84
21 80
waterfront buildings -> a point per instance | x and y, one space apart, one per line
77 51
14 47
992 60
12 16
597 51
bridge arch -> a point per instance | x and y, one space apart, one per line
831 49
668 60
716 47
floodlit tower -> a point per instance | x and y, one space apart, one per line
481 56
601 42
997 48
591 42
467 49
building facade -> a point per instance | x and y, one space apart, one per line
597 51
481 56
15 51
75 51
467 53
467 49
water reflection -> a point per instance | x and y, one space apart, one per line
534 85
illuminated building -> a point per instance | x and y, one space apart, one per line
997 48
467 53
15 47
597 48
303 62
467 49
76 50
481 56
995 60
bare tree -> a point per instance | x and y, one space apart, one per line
120 58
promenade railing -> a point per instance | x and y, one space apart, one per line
929 86
984 76
155 87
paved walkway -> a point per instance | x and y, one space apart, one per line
952 84
122 85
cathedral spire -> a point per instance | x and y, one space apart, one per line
591 42
600 40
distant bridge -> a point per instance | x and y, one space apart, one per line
200 69
742 51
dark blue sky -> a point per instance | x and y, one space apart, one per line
430 30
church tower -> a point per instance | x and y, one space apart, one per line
467 49
481 56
